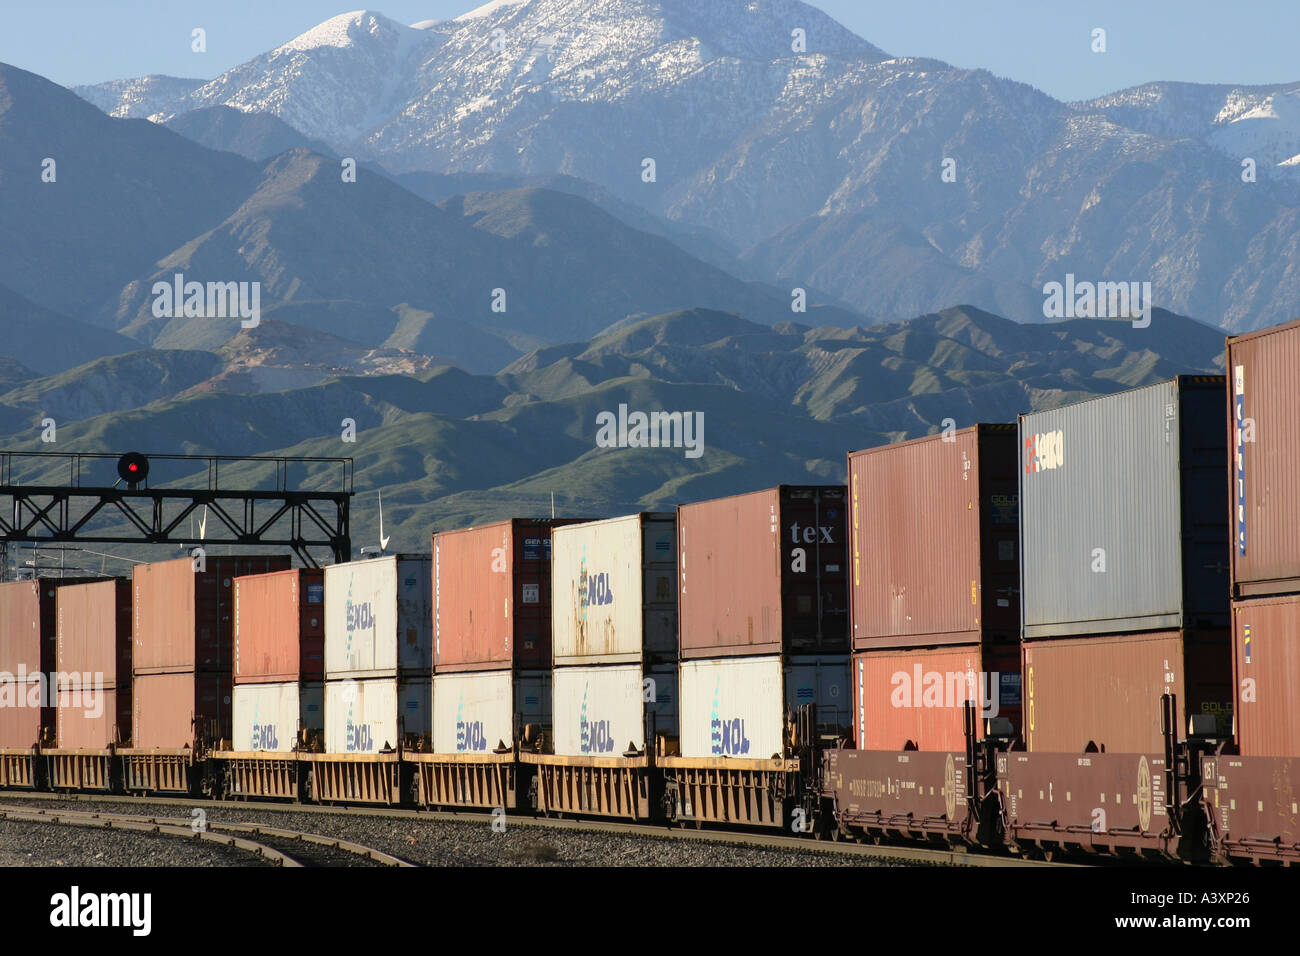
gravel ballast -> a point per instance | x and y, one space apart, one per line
470 842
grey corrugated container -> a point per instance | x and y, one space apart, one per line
1137 479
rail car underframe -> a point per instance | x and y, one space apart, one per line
730 791
1253 806
909 794
621 787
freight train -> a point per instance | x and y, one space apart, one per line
1049 637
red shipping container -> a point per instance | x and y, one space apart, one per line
935 539
93 627
184 618
915 698
1104 692
172 710
21 711
1264 438
1266 671
492 596
764 573
280 627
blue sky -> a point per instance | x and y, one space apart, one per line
1041 42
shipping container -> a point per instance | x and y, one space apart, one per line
1264 432
614 591
492 596
175 710
914 698
271 716
602 711
1266 672
477 712
1104 693
935 539
764 573
738 706
372 715
379 617
183 618
280 627
21 704
93 664
28 653
1122 521
88 717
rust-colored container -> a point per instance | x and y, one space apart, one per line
492 596
935 544
914 699
172 710
27 653
764 573
279 627
1266 669
1104 692
1264 438
93 661
184 618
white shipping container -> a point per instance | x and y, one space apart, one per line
268 716
736 706
614 590
361 716
475 711
598 711
379 617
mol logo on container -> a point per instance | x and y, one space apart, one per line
469 733
264 737
594 589
727 735
361 617
1044 451
360 738
594 736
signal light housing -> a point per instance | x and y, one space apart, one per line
133 468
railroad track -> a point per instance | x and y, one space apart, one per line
904 854
282 847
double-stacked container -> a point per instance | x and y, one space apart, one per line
1264 499
182 661
491 635
614 635
1124 581
378 654
763 619
279 661
93 636
27 659
935 588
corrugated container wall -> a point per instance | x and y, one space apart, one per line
169 710
1122 522
1264 431
475 712
1266 669
764 573
280 627
935 539
379 617
1106 690
599 711
737 706
909 699
614 599
492 596
269 716
93 661
184 619
368 716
